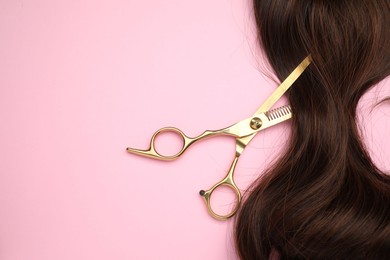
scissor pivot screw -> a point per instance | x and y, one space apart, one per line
256 123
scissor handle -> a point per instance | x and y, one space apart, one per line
228 181
152 151
187 141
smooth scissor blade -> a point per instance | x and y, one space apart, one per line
263 112
248 127
286 84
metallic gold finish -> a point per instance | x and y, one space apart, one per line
243 131
228 181
256 123
286 84
278 112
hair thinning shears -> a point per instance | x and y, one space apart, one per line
243 131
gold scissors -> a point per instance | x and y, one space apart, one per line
243 131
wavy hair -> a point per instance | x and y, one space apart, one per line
324 198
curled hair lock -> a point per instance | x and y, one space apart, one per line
324 198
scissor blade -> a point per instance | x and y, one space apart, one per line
286 84
265 120
274 117
260 121
279 114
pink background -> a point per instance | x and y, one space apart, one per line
82 80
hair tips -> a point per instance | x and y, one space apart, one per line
324 198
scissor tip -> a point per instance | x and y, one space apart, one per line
202 193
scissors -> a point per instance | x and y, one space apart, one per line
243 131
